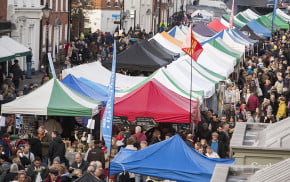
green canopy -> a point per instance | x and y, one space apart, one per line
238 23
242 18
278 21
54 99
266 22
220 47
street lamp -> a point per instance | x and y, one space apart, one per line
121 2
46 14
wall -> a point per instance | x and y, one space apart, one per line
3 10
26 15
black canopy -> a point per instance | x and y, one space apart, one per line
87 177
138 58
156 51
162 49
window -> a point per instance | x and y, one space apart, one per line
116 3
65 32
56 5
61 5
108 3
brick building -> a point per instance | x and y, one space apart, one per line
5 26
58 29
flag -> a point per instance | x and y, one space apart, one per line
274 14
107 121
191 46
232 14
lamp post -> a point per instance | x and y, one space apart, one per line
46 14
121 2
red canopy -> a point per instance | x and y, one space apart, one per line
155 100
216 25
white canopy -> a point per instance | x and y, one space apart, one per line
283 15
13 46
167 44
97 73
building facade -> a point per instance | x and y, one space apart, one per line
26 15
58 28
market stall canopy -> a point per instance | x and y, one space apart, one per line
283 15
97 86
97 73
137 57
278 21
216 25
237 30
167 44
177 33
156 52
203 30
160 47
5 54
170 159
82 88
14 47
154 100
87 177
54 99
266 22
173 40
237 22
257 28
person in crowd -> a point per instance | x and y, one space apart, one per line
12 174
37 171
27 152
56 148
53 176
79 163
96 153
64 175
253 103
28 64
45 139
77 173
210 153
274 103
24 161
282 109
189 140
6 144
35 145
249 117
203 132
22 177
4 167
156 137
139 135
217 146
214 123
17 73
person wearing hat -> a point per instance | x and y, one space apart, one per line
96 153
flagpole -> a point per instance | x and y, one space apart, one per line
107 120
190 94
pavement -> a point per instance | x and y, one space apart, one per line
35 79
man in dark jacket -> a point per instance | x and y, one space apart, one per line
56 148
37 168
17 73
35 145
79 163
96 153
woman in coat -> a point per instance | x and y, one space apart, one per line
282 108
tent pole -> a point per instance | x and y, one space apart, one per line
190 94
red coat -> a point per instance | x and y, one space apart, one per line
253 103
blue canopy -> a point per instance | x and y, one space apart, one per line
97 86
244 36
258 29
171 159
81 87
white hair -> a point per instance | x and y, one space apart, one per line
138 129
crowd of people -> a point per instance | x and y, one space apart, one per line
259 94
99 45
